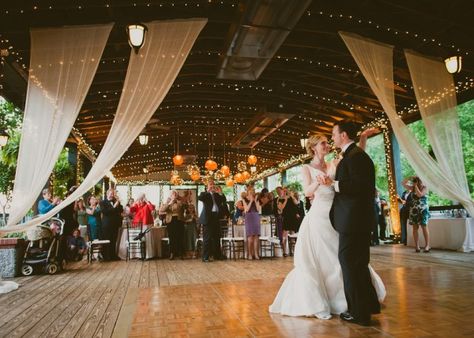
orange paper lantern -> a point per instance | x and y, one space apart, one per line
210 165
229 182
195 176
178 160
238 178
225 170
245 175
252 159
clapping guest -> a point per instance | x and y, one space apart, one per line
81 213
142 210
93 218
266 202
419 213
48 202
280 203
68 215
300 213
252 223
174 208
239 207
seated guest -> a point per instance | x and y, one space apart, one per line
47 203
142 210
76 246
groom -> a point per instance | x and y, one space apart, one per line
352 215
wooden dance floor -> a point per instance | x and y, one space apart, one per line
429 295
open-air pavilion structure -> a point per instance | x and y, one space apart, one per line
259 78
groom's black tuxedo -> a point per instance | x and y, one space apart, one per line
353 207
352 215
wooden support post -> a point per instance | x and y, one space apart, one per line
392 180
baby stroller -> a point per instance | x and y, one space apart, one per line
45 250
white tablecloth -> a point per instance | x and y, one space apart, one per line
448 233
152 238
239 230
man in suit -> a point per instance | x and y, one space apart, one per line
352 215
214 208
111 221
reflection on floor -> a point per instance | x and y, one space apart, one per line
429 295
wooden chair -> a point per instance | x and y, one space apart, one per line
94 247
136 243
199 242
267 243
292 238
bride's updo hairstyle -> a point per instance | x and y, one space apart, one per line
312 141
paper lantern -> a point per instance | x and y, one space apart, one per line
210 165
178 160
229 182
252 160
225 170
238 178
195 176
242 166
245 175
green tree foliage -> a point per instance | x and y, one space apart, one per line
62 173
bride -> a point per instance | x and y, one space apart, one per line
315 287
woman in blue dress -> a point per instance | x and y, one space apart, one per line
419 213
93 218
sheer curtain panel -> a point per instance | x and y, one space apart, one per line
150 75
375 61
63 63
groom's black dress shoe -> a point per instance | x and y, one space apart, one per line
346 316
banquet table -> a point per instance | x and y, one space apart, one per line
152 239
448 233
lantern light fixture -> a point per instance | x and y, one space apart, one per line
136 36
453 64
143 139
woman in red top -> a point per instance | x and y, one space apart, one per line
142 209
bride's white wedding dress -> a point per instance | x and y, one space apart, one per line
315 286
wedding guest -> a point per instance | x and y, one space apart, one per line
128 215
380 224
68 215
175 214
419 213
405 200
80 213
48 202
76 246
280 203
93 218
111 221
290 220
190 228
239 207
266 202
142 210
252 223
301 211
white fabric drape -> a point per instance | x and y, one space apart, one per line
150 75
375 61
63 63
436 96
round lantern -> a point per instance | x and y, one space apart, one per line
211 165
225 170
252 160
195 176
178 160
245 175
229 182
242 166
238 178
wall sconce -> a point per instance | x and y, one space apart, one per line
136 36
3 138
453 64
303 142
143 139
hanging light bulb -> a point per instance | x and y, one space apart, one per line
136 36
143 139
303 142
453 64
